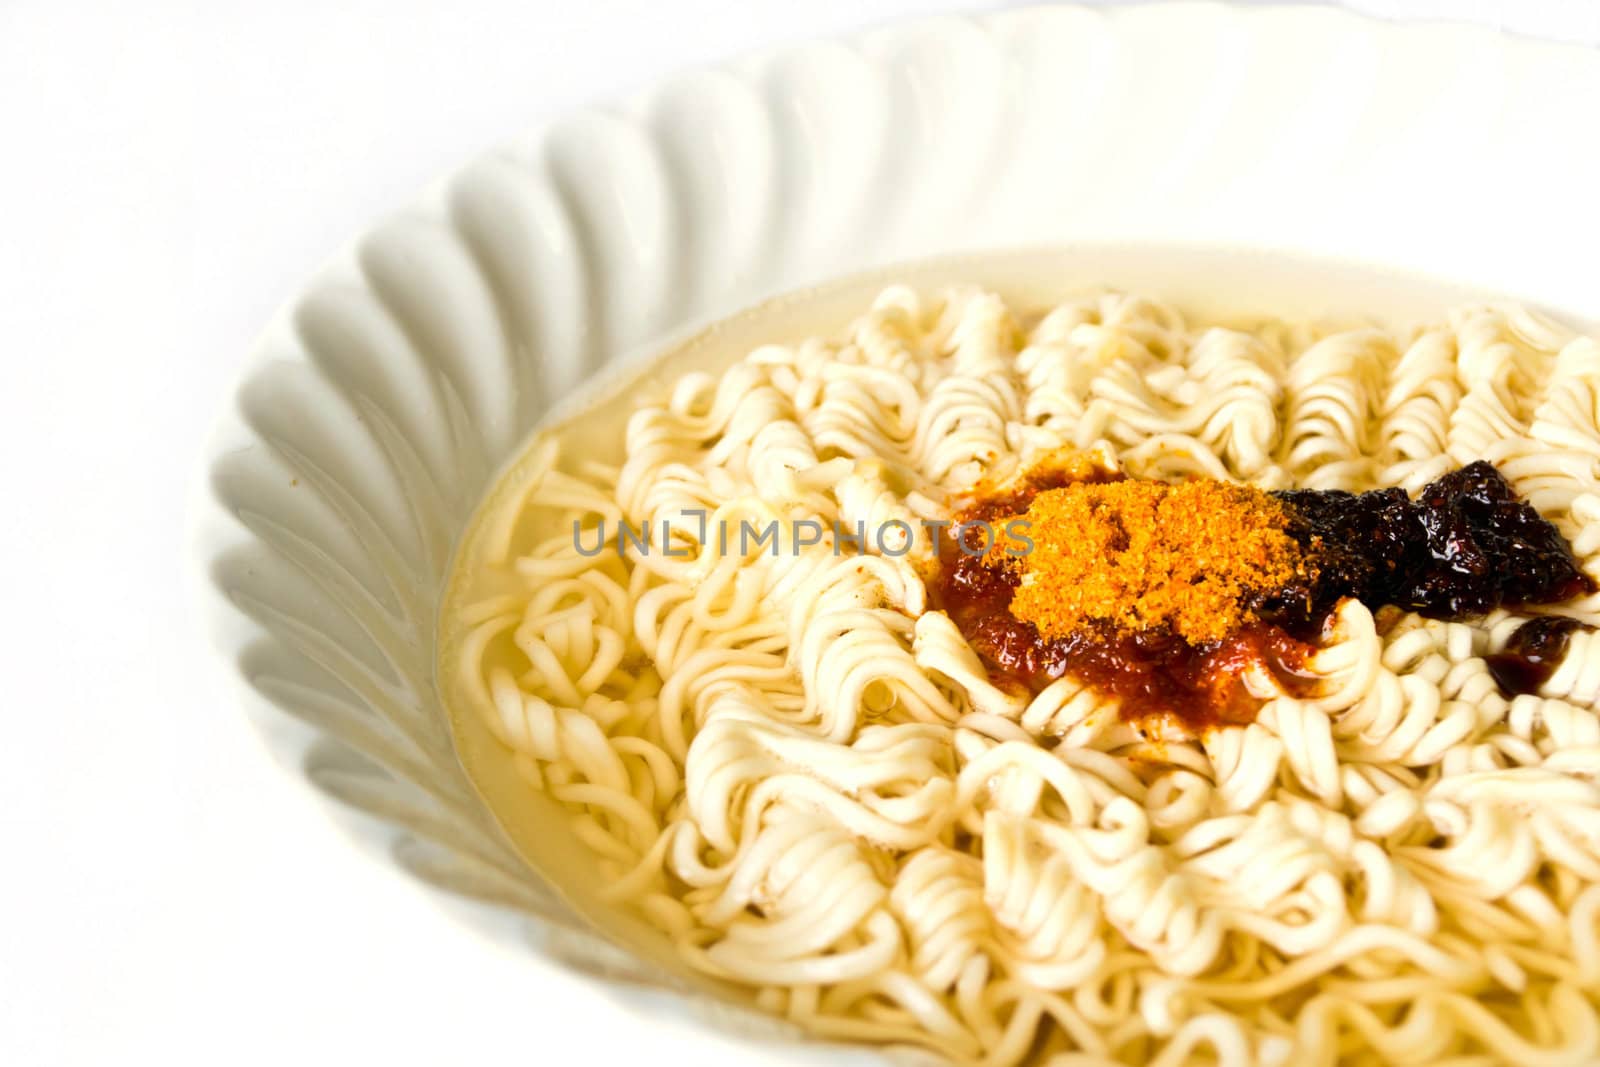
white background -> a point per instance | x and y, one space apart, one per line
169 172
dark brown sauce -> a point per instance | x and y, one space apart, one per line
1466 545
1532 655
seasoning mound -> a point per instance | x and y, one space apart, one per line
1127 556
1170 598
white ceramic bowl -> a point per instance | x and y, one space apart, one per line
379 404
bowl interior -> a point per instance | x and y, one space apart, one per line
1209 285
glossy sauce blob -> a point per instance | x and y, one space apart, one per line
1532 655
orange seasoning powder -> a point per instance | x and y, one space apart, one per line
1127 556
1145 590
